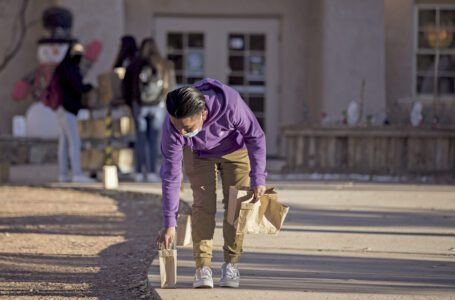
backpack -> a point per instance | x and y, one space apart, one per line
151 85
53 98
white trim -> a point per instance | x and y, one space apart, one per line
425 99
433 6
416 51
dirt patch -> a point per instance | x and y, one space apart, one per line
60 243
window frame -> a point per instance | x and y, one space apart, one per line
416 51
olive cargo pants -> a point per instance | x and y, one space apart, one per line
234 169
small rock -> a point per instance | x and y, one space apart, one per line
452 249
134 285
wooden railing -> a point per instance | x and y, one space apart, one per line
385 150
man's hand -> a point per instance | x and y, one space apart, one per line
166 236
258 191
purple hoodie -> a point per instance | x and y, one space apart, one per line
230 126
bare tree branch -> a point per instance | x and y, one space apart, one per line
23 31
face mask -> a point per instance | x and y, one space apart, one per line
192 133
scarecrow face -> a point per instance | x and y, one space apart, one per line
51 53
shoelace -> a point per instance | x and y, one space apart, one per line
205 272
231 271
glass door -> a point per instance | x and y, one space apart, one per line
240 52
247 70
186 50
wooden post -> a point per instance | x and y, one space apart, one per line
4 172
110 178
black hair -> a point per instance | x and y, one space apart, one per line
128 50
185 102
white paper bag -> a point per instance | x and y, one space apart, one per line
168 267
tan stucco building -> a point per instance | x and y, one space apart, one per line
293 60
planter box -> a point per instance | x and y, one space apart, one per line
96 129
110 89
370 150
23 150
93 159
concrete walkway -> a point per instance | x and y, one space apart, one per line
340 241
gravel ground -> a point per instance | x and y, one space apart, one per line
62 243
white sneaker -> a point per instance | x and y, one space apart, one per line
82 179
152 177
139 177
230 276
203 278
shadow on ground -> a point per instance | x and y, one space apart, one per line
120 271
335 273
117 272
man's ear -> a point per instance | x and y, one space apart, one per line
204 115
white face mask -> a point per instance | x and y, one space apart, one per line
193 133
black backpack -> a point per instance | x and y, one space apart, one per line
151 86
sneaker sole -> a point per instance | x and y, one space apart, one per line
203 285
229 284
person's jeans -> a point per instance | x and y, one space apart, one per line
234 169
69 143
148 121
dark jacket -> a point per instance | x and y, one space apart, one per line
130 84
71 85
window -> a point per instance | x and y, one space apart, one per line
435 51
186 50
247 69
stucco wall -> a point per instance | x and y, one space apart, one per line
24 61
327 47
293 14
100 19
353 50
88 24
399 52
400 39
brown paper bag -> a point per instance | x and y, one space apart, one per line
90 99
183 230
236 197
109 87
168 267
263 216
